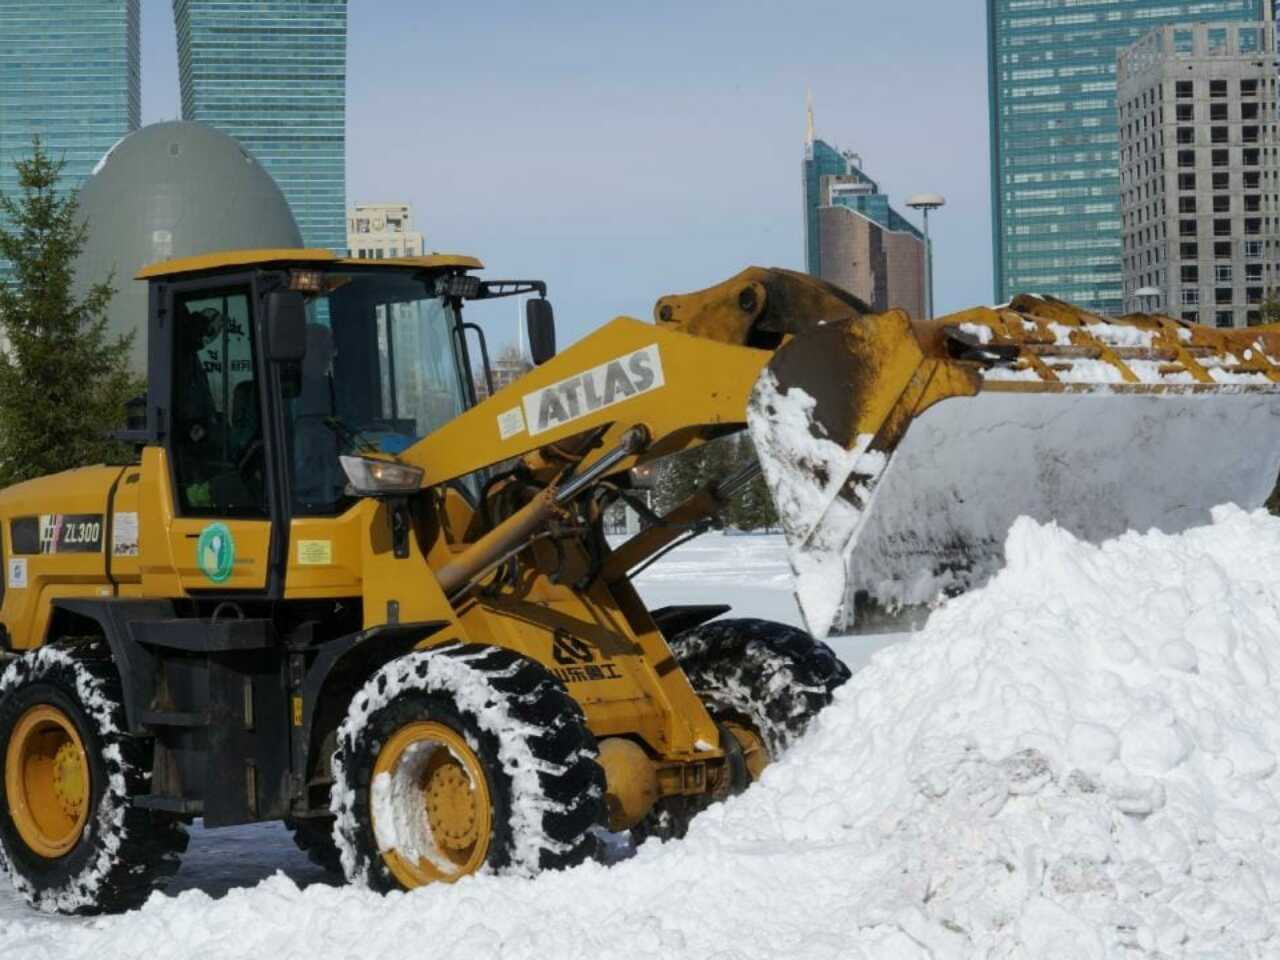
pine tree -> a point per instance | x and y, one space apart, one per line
64 379
676 480
1271 307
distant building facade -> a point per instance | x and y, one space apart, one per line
853 236
376 231
505 369
1200 194
273 74
1055 169
70 72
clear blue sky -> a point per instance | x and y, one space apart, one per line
624 151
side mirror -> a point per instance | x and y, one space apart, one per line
541 323
286 326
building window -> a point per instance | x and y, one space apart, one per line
1222 228
1184 113
1253 294
1186 228
1222 295
1189 251
1253 226
1219 135
1253 203
1222 181
1186 135
1220 158
1224 318
1185 89
1248 88
1249 134
1253 318
1222 250
1248 111
1253 273
1252 180
1253 249
1190 316
1250 157
1222 273
1222 203
1217 88
1186 158
1186 181
1187 204
1217 111
1190 296
1190 273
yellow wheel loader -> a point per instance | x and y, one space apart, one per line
334 589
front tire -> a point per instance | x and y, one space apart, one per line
461 759
763 683
69 835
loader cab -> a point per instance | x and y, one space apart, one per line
262 374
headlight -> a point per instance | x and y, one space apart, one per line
375 478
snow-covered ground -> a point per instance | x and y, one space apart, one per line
1076 761
748 572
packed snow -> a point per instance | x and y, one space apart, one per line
1077 760
822 492
966 469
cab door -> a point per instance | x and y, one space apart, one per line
220 531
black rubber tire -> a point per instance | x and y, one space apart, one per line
529 735
314 837
770 676
124 852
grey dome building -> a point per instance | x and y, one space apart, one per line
173 190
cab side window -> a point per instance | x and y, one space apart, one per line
217 418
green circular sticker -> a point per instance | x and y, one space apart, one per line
215 552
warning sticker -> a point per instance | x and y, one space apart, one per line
18 572
315 553
124 534
510 423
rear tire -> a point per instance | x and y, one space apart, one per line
63 739
478 713
314 837
763 683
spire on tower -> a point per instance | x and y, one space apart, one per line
809 134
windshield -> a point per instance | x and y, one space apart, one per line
382 370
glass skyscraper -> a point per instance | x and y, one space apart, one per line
1055 171
69 71
272 74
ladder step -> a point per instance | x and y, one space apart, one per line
169 804
173 718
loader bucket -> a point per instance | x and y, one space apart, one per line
899 454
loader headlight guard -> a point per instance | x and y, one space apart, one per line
379 478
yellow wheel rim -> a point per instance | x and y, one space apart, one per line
754 752
46 778
443 801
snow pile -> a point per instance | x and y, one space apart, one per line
1077 761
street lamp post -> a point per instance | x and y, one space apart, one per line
926 202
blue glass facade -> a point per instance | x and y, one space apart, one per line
272 74
1055 171
823 160
69 71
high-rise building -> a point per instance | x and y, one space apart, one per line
272 74
1055 171
376 231
853 236
1198 171
69 71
